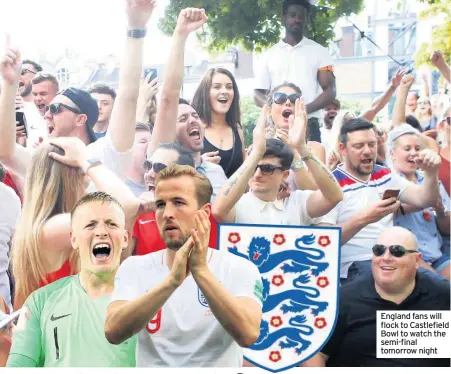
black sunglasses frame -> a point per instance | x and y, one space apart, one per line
56 108
270 169
395 250
157 166
281 98
23 71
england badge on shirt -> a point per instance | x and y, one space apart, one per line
299 267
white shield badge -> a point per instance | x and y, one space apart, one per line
300 284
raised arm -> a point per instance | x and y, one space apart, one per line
399 110
189 20
438 60
326 80
223 208
382 101
13 156
123 118
329 192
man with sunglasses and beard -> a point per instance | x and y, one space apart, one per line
393 285
265 169
301 61
73 113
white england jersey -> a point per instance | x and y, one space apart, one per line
185 333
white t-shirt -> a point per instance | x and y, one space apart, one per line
36 124
299 65
10 208
185 333
359 195
291 211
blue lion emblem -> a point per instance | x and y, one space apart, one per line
293 335
302 258
297 300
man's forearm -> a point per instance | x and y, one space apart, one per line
235 187
351 227
324 99
165 122
124 321
7 119
379 104
123 119
242 325
445 71
428 191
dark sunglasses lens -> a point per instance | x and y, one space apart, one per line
397 250
280 98
267 169
147 166
293 98
378 250
157 167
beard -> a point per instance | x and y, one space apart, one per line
26 90
176 244
360 171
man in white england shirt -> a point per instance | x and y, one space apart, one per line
191 305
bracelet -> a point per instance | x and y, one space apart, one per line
308 157
136 33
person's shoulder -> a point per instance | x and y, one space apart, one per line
7 193
213 167
312 44
435 285
135 263
56 288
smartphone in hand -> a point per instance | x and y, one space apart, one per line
151 73
390 193
22 121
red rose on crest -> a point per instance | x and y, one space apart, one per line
427 216
324 241
234 237
275 356
279 239
277 280
322 282
320 323
276 321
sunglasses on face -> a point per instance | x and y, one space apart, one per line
58 108
156 166
268 169
281 98
395 250
25 71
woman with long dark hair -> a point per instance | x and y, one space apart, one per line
217 102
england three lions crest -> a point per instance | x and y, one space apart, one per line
299 267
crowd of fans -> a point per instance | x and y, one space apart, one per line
87 168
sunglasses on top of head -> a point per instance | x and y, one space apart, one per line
281 98
395 250
25 71
156 166
58 108
268 169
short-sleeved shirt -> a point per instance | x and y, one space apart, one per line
423 225
185 332
299 65
359 195
61 326
291 211
215 175
353 342
149 239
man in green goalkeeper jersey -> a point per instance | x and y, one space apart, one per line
62 324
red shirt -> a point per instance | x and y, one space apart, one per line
10 182
443 173
148 237
62 272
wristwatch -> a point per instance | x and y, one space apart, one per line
297 165
91 163
136 33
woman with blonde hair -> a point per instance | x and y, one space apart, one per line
42 252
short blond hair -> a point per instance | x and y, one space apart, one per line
204 190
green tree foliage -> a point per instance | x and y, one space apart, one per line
249 117
441 34
256 24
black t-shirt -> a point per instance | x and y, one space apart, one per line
353 342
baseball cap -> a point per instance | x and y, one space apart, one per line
399 131
87 105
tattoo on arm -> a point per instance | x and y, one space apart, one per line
234 181
325 169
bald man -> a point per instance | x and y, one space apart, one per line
394 285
